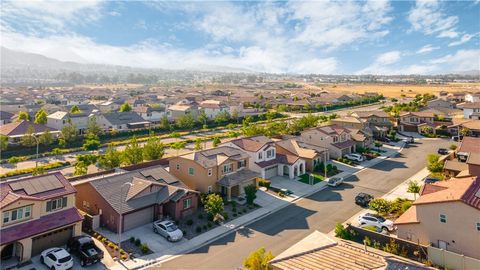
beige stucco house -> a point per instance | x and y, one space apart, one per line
446 216
37 213
335 138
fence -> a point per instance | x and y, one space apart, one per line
451 260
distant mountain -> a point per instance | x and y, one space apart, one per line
468 73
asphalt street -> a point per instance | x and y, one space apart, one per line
321 211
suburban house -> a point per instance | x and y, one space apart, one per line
440 103
363 137
59 119
182 108
265 160
37 213
223 169
468 159
108 106
349 122
150 114
335 138
469 109
16 130
472 97
136 198
5 117
378 121
446 216
320 251
121 121
313 155
213 107
472 125
415 121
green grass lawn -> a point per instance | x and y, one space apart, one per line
316 178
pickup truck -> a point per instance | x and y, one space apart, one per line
84 247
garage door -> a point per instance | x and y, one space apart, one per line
270 172
52 239
137 218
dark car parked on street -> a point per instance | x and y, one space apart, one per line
84 247
442 151
363 199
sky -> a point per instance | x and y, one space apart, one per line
321 37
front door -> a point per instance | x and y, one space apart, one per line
442 244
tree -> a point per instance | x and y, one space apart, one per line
111 159
80 168
250 191
23 116
14 160
213 204
3 142
69 132
153 148
434 165
464 131
380 205
216 141
93 127
125 107
178 146
46 138
258 260
453 147
198 144
222 118
92 142
235 115
75 109
164 122
41 117
185 121
28 139
133 153
202 117
414 188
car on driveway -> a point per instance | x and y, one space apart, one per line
363 199
86 250
355 157
167 229
408 140
430 180
56 259
334 181
442 151
376 221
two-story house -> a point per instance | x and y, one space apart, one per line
378 121
335 138
121 121
469 109
213 107
223 169
446 216
440 103
181 108
414 121
150 114
265 160
137 197
313 155
36 213
59 119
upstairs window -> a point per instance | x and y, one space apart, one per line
56 204
241 164
335 139
270 153
227 168
260 155
18 214
443 218
191 171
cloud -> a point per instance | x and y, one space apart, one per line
464 39
427 48
381 63
462 60
427 16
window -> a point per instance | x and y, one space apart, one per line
209 189
191 171
335 139
209 172
260 155
18 214
178 166
241 164
478 226
56 204
343 137
86 205
270 153
227 168
443 218
187 203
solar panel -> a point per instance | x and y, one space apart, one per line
37 185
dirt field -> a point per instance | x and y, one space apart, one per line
396 90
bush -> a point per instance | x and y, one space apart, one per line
123 257
250 191
380 206
367 241
209 225
264 183
453 147
342 232
244 210
235 214
225 215
234 209
138 242
144 248
198 229
190 222
184 232
111 245
132 239
234 204
200 216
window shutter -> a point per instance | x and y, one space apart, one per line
64 201
49 206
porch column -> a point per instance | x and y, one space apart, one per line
229 194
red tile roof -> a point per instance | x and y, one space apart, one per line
20 128
469 145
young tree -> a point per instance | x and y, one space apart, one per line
28 140
133 153
164 122
41 117
75 109
178 146
3 142
175 135
83 161
202 117
464 131
453 147
125 107
213 204
250 191
93 127
235 115
380 205
198 144
46 138
434 164
69 132
413 187
23 116
258 260
185 121
216 141
222 117
153 149
80 168
92 142
111 159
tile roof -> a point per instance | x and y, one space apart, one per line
279 159
238 177
20 128
418 114
469 105
365 114
215 156
252 144
121 118
345 144
455 165
298 148
332 129
37 226
469 145
410 216
5 115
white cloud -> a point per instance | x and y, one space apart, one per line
462 60
381 63
428 17
427 48
464 39
315 66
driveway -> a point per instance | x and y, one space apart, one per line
76 265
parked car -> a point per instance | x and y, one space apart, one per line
430 180
408 140
167 229
355 157
384 139
442 151
56 259
376 221
457 138
363 199
334 181
86 250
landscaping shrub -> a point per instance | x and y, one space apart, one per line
342 232
234 204
144 248
234 209
380 205
138 242
209 225
37 171
184 232
250 191
198 229
264 183
234 214
190 222
244 210
453 147
200 216
225 215
132 239
123 257
367 241
204 227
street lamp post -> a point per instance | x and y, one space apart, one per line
120 222
38 142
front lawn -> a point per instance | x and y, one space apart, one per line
305 178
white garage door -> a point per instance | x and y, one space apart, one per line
271 172
138 218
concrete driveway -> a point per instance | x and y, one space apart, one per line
36 264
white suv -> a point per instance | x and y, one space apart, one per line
355 157
376 221
56 259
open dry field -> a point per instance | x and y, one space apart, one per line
396 90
